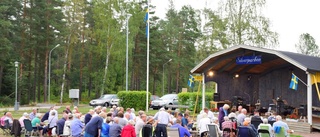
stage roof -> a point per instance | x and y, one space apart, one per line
225 61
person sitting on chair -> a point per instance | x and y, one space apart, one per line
265 123
202 125
256 119
24 116
280 123
37 124
252 130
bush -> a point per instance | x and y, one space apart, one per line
133 99
189 99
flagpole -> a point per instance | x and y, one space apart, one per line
300 80
147 102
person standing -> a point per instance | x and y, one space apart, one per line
140 123
163 119
93 127
128 130
223 111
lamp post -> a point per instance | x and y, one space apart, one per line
127 51
16 107
49 75
163 75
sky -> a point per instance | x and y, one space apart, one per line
289 18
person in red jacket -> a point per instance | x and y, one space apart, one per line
128 130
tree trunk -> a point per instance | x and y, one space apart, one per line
65 69
45 83
1 75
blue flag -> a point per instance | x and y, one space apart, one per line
191 81
146 19
294 82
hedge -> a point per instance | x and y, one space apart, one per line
133 99
189 99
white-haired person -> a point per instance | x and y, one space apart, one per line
253 132
223 111
23 117
266 124
128 130
280 124
76 126
202 125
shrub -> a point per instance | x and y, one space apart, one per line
133 99
189 99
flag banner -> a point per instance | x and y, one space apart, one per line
146 19
191 81
294 82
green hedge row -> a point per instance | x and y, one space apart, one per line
133 99
189 99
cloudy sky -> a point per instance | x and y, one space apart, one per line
289 18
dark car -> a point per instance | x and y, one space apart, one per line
106 100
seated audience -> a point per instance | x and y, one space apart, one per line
202 125
76 126
60 123
280 124
24 116
66 128
183 132
88 116
265 123
37 124
105 127
252 130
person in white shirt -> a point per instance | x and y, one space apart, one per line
24 116
163 119
66 128
202 125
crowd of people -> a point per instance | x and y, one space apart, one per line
118 122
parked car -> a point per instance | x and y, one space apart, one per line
168 99
106 100
153 97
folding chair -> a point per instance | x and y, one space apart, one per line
146 131
29 131
173 132
264 131
6 128
212 130
281 133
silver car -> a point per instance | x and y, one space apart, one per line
106 100
168 99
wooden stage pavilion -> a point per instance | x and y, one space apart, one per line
261 75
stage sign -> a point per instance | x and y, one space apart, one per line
243 60
197 78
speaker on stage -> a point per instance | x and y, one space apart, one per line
216 97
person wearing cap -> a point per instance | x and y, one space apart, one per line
163 119
24 116
33 114
128 130
76 126
183 132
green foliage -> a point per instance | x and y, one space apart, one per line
189 99
133 99
307 45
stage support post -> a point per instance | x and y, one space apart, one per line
309 98
203 91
